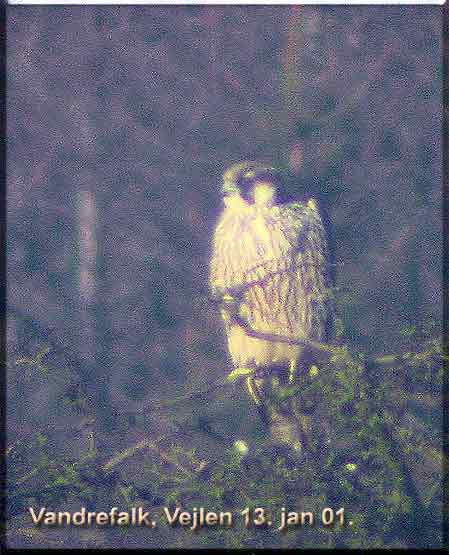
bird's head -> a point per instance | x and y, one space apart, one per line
252 183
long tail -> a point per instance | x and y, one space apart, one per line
286 424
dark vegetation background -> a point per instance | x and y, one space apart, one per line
120 123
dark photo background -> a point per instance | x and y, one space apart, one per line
120 123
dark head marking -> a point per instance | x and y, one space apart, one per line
241 178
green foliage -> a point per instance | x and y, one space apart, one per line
238 373
377 441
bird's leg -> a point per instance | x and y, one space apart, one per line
257 384
258 388
292 371
266 383
252 390
286 424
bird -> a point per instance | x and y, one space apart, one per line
269 270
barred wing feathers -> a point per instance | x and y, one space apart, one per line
278 261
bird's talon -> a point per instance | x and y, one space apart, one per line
251 390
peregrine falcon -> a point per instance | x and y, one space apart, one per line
269 268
